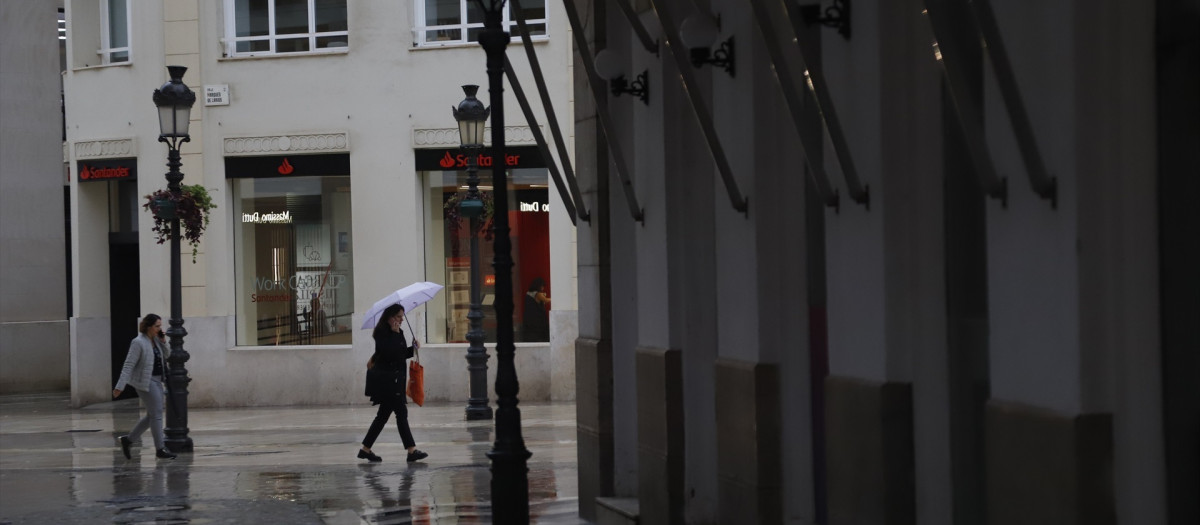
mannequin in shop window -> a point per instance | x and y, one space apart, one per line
536 324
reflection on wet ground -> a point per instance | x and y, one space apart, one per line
270 465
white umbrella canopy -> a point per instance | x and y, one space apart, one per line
409 297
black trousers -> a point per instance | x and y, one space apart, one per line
393 404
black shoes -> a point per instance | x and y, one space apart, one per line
161 453
415 455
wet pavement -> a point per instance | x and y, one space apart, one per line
291 465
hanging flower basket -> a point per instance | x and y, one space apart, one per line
458 207
164 207
191 205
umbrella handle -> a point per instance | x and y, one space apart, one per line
410 328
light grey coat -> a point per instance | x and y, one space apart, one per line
139 363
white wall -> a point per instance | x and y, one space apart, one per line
854 235
885 263
1075 295
1033 280
91 363
102 105
738 258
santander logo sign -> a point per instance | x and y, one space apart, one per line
481 160
285 168
90 172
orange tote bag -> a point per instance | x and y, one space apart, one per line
416 381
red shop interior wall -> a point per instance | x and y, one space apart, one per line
531 231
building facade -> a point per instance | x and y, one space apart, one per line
893 262
323 133
34 342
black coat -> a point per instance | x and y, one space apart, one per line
389 376
535 324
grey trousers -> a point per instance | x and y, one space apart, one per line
154 414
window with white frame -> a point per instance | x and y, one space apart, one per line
271 27
446 22
114 31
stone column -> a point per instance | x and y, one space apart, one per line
593 358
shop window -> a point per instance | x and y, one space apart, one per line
99 32
448 255
273 27
442 22
293 260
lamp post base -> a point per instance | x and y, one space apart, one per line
178 445
476 413
510 485
477 405
176 430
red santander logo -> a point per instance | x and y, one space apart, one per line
285 168
87 172
481 160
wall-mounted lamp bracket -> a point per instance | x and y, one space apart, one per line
722 57
640 87
837 16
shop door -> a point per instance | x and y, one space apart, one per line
124 299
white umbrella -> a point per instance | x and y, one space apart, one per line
409 297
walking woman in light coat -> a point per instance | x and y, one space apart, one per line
145 369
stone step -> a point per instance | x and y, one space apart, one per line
616 511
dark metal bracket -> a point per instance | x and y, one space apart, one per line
818 88
985 20
953 62
541 139
552 120
606 124
723 57
699 108
780 33
837 16
640 87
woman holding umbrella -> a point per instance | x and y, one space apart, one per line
386 381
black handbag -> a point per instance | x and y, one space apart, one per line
373 379
381 381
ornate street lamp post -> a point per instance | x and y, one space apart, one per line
472 118
510 481
174 101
